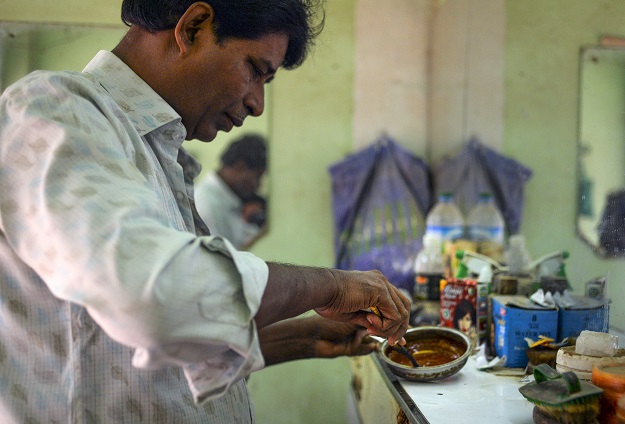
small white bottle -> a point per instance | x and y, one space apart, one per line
429 269
485 222
445 219
516 256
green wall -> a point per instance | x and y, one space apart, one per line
51 47
101 12
311 118
543 41
311 121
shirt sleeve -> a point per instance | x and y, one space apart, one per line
77 210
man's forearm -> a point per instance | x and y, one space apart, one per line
293 290
311 336
286 341
337 295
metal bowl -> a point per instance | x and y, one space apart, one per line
429 373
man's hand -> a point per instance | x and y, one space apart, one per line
357 292
344 296
312 337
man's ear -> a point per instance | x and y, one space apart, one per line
198 17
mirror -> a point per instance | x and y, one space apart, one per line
601 150
27 46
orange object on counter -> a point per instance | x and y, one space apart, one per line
611 378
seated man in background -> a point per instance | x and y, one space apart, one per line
220 196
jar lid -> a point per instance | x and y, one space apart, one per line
610 376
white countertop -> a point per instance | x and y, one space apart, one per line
473 397
470 396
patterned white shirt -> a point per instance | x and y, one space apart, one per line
112 309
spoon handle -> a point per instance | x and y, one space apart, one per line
406 353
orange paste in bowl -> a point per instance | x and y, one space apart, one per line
429 351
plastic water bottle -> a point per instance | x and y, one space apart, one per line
429 268
485 227
445 219
485 222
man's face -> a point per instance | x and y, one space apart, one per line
248 179
221 84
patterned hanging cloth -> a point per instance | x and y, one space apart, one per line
380 196
478 169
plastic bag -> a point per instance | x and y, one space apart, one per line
380 196
477 169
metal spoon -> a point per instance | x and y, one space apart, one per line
400 349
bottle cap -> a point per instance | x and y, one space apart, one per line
516 240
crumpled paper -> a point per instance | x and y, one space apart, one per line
549 299
482 362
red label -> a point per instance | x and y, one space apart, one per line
459 300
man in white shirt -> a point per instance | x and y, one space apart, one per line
220 195
117 306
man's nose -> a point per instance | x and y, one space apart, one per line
255 100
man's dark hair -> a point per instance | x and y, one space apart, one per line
301 20
250 148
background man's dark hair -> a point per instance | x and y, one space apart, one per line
301 20
250 148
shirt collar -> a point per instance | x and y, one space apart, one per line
143 106
190 165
